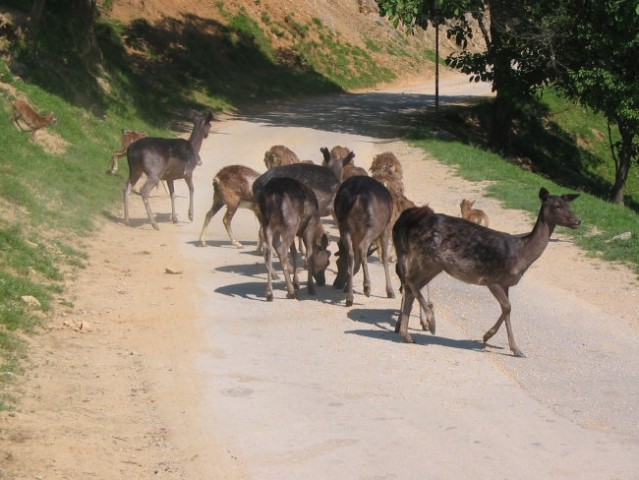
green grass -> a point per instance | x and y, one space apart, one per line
517 188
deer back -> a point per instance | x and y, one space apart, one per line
319 179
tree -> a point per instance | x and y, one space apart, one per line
517 55
597 45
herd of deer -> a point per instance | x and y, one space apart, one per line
290 198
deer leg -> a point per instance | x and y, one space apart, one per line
268 239
402 324
125 194
501 294
362 251
310 263
145 191
385 259
228 216
296 280
114 161
350 261
172 195
426 314
207 219
189 183
282 253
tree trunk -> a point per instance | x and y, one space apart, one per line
37 9
622 165
501 124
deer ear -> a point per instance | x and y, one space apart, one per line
348 158
569 197
326 154
543 193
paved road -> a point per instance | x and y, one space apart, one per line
309 389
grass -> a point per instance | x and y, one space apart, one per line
517 188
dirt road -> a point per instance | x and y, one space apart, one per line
193 375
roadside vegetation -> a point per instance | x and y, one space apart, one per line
54 190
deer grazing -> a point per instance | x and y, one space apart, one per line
428 243
473 214
22 110
279 155
233 187
363 209
288 208
167 159
127 138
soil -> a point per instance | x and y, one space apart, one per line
169 364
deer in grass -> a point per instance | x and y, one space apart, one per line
288 208
22 110
233 187
363 209
127 138
167 159
473 214
428 243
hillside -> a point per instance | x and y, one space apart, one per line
354 22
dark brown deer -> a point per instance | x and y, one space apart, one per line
233 187
471 214
288 208
22 110
363 209
167 159
428 243
318 178
279 155
127 138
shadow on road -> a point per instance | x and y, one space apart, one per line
382 115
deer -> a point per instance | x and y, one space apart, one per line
363 209
279 155
473 214
386 162
428 243
22 110
337 159
288 208
127 138
167 159
233 187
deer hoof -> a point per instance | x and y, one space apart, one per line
367 291
407 338
155 226
390 294
290 295
349 302
518 353
269 297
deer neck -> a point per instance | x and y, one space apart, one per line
197 137
536 241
